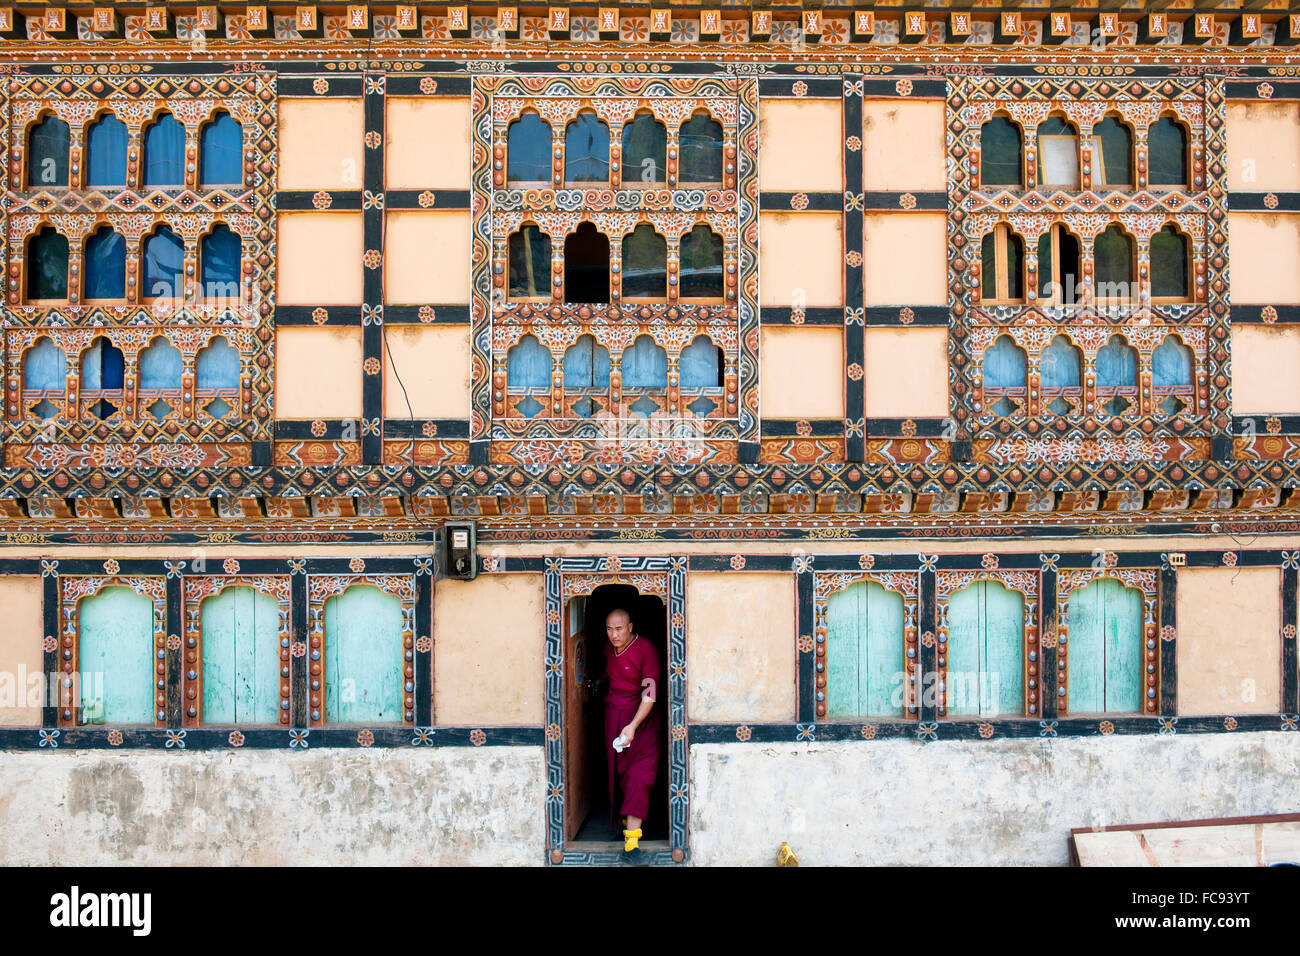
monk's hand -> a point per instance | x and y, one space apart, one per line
627 733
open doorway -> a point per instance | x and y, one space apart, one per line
589 817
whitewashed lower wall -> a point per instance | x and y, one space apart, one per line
994 803
448 805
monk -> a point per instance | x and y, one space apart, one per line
632 667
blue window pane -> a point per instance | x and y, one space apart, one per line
645 365
221 152
47 153
47 265
106 152
528 365
160 366
164 152
1004 365
528 150
1117 364
1000 153
586 364
701 364
164 262
45 367
1060 364
645 264
219 263
586 150
105 265
102 366
645 150
218 366
1171 365
701 264
530 263
701 151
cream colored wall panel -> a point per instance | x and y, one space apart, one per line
427 142
318 373
1229 640
433 363
800 145
904 144
1263 146
321 143
906 259
1265 370
489 650
741 646
801 372
1257 244
318 260
801 259
22 659
906 373
426 258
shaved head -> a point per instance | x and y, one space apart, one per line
618 627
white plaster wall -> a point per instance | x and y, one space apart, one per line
989 803
447 805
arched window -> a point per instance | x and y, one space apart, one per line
645 264
1060 371
217 367
528 376
1059 270
47 265
1113 254
45 379
47 153
986 632
864 652
103 370
1115 165
1004 377
700 150
115 631
1105 659
1169 270
241 657
106 152
164 152
586 265
219 253
159 392
1171 375
1167 149
645 365
701 364
528 150
586 150
221 152
586 372
645 150
530 263
363 657
105 265
701 264
164 264
1117 375
1001 153
1058 153
1002 266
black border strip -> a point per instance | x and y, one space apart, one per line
1259 202
813 201
930 316
335 200
372 384
905 201
340 84
414 428
789 427
814 315
431 200
1280 315
304 315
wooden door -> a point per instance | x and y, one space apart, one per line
985 651
1105 643
117 658
577 648
363 657
864 652
241 658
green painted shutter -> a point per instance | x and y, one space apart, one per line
363 657
864 652
1002 670
1086 651
241 658
1105 648
1123 647
965 649
117 657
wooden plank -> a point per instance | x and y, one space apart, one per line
1123 647
884 651
363 657
117 643
241 660
1002 667
217 618
1086 649
845 620
965 651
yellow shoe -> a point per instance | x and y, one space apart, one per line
630 838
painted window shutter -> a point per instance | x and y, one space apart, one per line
1105 648
363 657
241 658
985 651
117 642
864 652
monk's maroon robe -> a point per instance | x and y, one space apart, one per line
632 772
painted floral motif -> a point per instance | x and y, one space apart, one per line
613 563
803 427
422 735
799 201
1168 726
903 87
1106 727
49 644
986 730
1229 723
805 644
1268 314
855 372
230 566
743 733
1265 90
1289 721
424 644
805 732
737 562
989 562
428 85
800 88
1273 425
906 315
867 561
320 85
298 739
477 738
532 28
634 29
854 143
365 738
298 648
320 315
175 738
552 731
835 30
111 566
115 738
1168 633
1270 200
583 28
868 731
854 258
318 428
928 639
356 565
907 201
679 732
173 642
908 428
735 31
434 28
321 199
235 739
372 366
685 31
1047 728
787 31
1230 559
